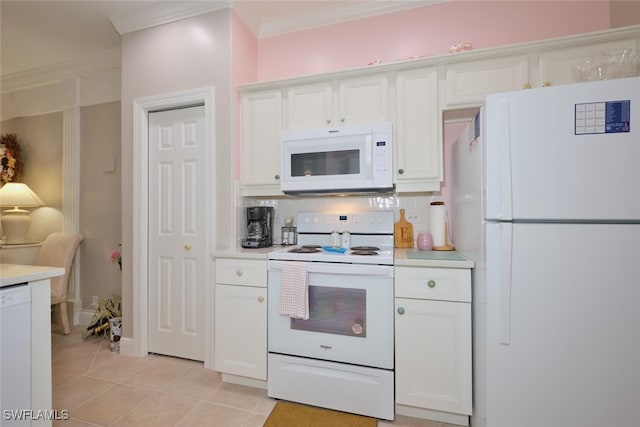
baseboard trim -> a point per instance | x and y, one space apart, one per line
445 417
127 347
235 379
84 316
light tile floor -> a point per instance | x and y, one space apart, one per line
103 388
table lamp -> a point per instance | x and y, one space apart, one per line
15 222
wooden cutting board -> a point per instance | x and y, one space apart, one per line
403 232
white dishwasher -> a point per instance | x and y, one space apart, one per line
15 353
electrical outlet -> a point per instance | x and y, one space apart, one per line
412 217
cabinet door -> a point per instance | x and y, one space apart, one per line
310 106
363 100
241 331
260 143
433 355
469 82
418 140
557 66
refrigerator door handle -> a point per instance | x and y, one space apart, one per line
504 132
505 283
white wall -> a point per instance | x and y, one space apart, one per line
188 54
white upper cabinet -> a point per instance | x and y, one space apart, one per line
410 94
261 129
418 135
338 102
364 100
310 106
556 66
467 83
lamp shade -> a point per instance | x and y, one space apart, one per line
17 194
16 221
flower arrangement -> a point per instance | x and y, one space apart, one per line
116 256
10 158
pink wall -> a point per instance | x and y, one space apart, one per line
428 30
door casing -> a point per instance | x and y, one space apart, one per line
138 344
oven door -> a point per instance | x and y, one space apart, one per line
350 315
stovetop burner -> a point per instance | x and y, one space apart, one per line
305 250
365 248
364 252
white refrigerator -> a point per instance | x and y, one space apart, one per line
546 200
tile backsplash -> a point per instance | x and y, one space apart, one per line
416 208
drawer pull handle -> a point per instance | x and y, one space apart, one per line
239 273
260 299
187 246
431 283
401 310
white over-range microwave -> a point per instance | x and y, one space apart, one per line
343 159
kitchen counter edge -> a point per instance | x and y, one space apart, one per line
244 253
438 259
13 274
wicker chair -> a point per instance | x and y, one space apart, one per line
59 250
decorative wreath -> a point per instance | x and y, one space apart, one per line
10 158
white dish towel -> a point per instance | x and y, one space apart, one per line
294 293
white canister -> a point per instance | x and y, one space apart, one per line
437 219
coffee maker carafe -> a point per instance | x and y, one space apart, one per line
259 227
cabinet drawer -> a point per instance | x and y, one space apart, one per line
241 272
444 284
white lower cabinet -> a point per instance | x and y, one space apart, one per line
433 339
241 318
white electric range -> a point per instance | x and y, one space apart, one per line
341 356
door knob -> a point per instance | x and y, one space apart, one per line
187 246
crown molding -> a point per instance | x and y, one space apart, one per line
163 12
336 14
96 62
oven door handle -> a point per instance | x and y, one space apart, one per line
342 269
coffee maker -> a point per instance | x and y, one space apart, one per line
259 227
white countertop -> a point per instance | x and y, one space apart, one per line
11 274
441 259
403 257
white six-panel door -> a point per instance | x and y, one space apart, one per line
177 232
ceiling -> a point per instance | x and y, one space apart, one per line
39 34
